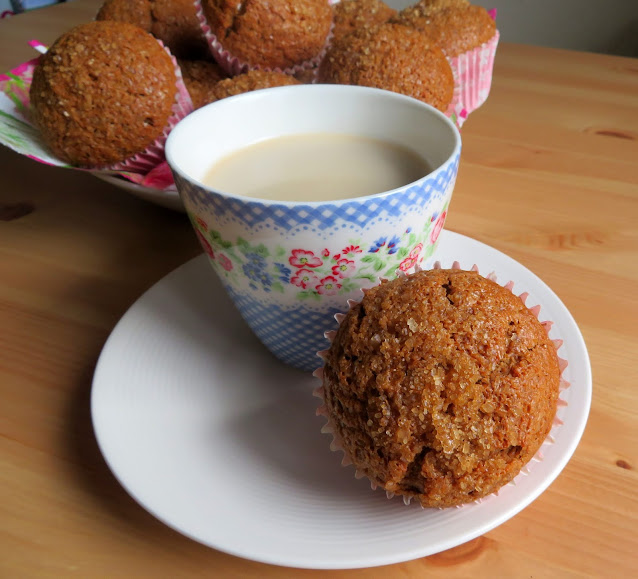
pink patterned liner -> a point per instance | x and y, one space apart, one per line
329 428
474 69
456 111
233 66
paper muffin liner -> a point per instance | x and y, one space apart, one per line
336 444
456 111
233 65
474 69
147 168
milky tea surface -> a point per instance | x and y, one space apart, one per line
316 167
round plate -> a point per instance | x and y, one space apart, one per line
219 440
169 199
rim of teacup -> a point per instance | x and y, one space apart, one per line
194 118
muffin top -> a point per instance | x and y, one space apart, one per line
350 15
174 22
440 386
427 7
391 57
103 92
270 34
200 78
136 12
455 25
249 81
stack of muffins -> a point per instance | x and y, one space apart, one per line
144 64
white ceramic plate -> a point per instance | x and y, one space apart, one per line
219 440
169 199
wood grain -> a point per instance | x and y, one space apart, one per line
549 175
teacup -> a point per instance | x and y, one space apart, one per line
291 266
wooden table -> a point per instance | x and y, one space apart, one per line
549 175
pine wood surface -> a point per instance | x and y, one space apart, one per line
549 175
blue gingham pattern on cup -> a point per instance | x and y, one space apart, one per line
292 334
353 213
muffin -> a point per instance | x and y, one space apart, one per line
278 34
249 81
200 78
468 36
440 386
350 15
391 57
136 12
174 22
102 93
455 25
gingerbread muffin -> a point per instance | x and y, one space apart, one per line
441 386
455 25
278 34
249 81
391 57
136 12
350 15
103 92
174 22
201 78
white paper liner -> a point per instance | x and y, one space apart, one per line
329 428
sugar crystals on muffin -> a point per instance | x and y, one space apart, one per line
391 57
441 386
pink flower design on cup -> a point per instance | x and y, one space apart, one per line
205 245
304 278
328 286
225 262
303 258
412 258
438 226
351 249
343 267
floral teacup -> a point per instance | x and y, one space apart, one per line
290 266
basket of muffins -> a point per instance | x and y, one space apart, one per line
106 94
